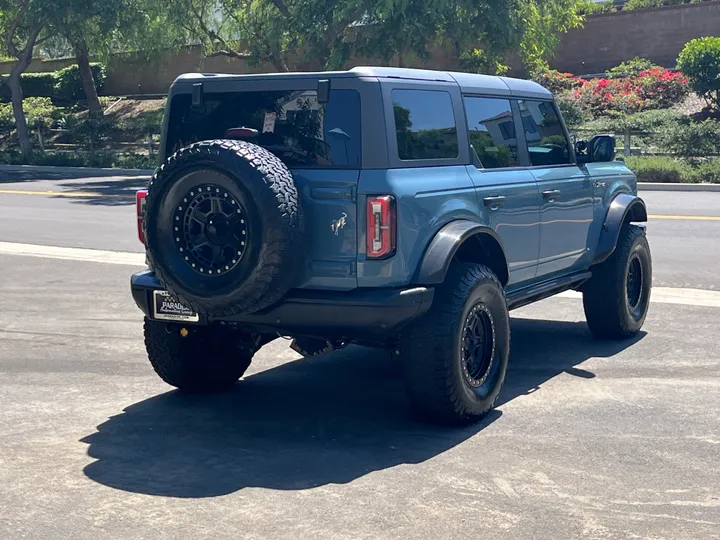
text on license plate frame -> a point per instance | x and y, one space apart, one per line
170 309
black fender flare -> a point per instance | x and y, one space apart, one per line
624 207
439 254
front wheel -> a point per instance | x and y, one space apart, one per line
617 297
198 358
454 359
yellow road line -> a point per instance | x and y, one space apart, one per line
692 218
86 194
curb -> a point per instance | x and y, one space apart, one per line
652 186
75 171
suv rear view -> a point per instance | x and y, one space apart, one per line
403 209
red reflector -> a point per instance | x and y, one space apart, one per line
140 211
380 227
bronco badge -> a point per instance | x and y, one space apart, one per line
338 224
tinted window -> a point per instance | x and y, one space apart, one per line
547 144
492 131
292 124
424 124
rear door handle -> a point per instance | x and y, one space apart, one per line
551 194
494 201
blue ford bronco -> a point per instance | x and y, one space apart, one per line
395 208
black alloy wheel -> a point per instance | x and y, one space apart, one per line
477 347
634 287
211 229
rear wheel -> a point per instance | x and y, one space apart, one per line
198 358
454 359
617 297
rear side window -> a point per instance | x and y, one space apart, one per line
546 141
424 124
291 124
492 131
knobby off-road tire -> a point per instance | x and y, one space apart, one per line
257 210
617 296
442 385
204 360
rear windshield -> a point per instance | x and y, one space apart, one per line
292 125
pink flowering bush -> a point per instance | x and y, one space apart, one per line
557 82
655 88
661 88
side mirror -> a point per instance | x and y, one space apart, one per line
601 148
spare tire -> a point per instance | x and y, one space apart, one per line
223 225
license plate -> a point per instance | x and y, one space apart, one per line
167 308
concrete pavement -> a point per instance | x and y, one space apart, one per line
591 440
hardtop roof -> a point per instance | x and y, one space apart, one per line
469 82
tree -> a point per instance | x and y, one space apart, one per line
98 27
540 23
700 62
21 23
273 31
326 33
478 33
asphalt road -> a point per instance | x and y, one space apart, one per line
593 440
99 213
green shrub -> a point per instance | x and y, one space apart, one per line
700 62
85 130
11 157
709 171
571 110
638 4
135 161
37 84
595 8
33 85
68 83
59 159
142 124
98 158
655 122
660 169
40 111
557 82
63 84
630 68
692 140
7 118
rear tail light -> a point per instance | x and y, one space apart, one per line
381 214
140 210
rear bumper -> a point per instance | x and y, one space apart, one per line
360 314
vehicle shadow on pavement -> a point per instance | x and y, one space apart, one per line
18 174
108 191
324 420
